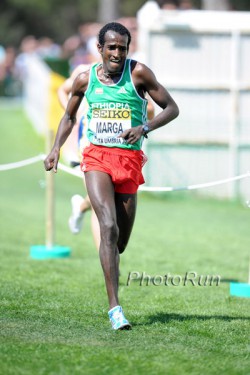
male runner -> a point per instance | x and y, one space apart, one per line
115 90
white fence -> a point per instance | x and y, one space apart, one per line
36 95
202 58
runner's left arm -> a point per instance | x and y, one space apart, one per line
145 79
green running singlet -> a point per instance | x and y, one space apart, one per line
113 109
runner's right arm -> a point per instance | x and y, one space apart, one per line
68 120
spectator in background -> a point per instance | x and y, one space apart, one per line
47 48
69 46
81 48
186 5
168 4
2 63
2 54
88 32
131 24
28 48
175 4
10 84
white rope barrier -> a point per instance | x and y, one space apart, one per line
73 171
22 163
193 187
78 173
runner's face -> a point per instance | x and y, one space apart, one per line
114 51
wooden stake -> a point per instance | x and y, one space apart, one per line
50 201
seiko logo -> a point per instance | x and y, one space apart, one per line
111 113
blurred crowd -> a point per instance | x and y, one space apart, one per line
175 4
77 49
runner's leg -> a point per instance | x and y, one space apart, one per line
102 196
125 212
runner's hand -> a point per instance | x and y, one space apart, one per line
51 160
132 135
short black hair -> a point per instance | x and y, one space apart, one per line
113 26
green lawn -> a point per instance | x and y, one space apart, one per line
53 317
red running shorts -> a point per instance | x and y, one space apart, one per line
123 166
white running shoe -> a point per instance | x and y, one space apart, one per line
76 218
118 320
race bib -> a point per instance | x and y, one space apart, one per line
107 124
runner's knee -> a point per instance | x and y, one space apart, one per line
109 232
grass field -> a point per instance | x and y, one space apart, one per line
54 312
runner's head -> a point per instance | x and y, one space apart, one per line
113 45
115 27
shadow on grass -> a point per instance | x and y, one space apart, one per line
167 318
229 280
